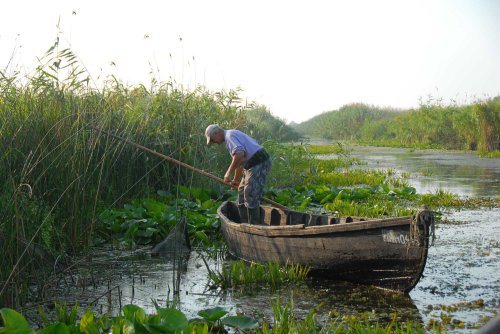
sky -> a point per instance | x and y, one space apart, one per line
298 58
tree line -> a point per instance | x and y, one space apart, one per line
474 126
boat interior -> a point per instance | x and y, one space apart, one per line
277 217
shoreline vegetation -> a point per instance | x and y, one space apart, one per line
66 187
473 127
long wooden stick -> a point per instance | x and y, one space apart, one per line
180 163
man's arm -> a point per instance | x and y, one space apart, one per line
237 177
235 167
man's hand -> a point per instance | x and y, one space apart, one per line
235 184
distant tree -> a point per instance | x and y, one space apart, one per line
263 125
488 113
346 123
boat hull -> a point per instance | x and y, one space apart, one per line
387 253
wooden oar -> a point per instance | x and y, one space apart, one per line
180 163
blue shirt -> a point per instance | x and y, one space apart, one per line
237 141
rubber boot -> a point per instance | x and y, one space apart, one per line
254 216
243 212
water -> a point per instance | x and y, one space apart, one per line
462 271
464 174
463 266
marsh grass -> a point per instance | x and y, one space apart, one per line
350 177
292 163
57 172
486 154
248 275
133 319
337 148
285 321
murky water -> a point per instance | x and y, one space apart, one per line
463 265
109 279
463 174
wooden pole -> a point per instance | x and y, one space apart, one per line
180 163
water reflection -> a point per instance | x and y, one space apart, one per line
110 279
463 265
332 299
464 174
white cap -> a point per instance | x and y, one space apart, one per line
210 130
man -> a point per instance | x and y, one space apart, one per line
247 172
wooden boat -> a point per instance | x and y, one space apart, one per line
389 253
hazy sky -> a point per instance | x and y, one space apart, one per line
299 58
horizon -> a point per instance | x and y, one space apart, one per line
299 59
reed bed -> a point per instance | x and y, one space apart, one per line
242 274
57 170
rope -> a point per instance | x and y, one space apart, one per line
425 219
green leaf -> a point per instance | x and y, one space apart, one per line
147 233
240 322
57 328
213 314
409 190
360 193
172 319
340 195
196 218
129 311
203 237
305 203
14 322
126 328
87 324
73 315
208 204
327 198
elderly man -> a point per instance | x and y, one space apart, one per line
247 172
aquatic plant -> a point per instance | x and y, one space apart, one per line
133 320
370 201
212 320
285 321
336 148
441 199
241 273
149 220
350 177
445 319
292 163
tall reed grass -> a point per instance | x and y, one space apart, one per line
57 171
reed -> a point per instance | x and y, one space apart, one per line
242 274
57 173
472 126
350 177
285 320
